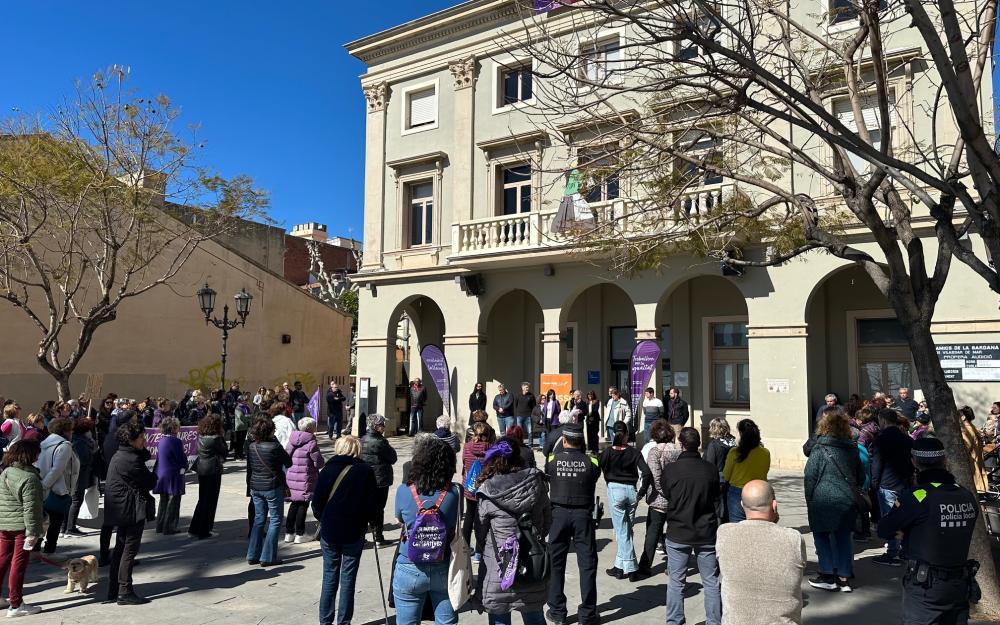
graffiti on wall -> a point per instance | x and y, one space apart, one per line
308 380
207 378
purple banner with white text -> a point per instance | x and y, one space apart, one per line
644 358
187 433
437 367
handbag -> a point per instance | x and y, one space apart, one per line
57 503
459 567
288 492
90 506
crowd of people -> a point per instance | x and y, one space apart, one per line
480 507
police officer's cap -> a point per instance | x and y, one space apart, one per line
928 448
573 431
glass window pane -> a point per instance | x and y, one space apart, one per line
898 374
724 382
526 85
871 378
428 222
622 343
593 195
416 221
729 334
880 332
510 201
510 80
521 173
525 192
422 190
743 395
613 186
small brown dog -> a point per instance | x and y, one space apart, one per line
80 571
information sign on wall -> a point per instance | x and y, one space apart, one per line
970 362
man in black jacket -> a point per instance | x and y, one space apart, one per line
377 453
299 399
677 410
892 473
692 487
334 410
524 404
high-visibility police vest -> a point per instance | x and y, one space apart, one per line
572 478
943 539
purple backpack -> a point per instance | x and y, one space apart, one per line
427 538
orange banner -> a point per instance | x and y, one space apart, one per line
561 383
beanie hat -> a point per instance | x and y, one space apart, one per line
375 420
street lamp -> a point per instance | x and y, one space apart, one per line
206 301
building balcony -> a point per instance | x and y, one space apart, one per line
504 234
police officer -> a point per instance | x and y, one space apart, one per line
936 519
572 479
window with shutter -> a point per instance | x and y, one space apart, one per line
601 61
422 107
869 112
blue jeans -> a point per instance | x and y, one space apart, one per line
264 541
645 431
340 568
541 439
525 423
529 618
623 499
504 423
708 568
886 501
411 586
416 421
835 551
734 500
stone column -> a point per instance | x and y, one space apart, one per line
465 357
377 96
376 361
464 73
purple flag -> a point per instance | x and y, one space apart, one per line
437 366
644 358
313 406
544 6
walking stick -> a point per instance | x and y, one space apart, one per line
378 567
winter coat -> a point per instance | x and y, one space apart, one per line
242 418
446 435
58 466
869 431
619 412
659 457
892 467
472 451
717 450
418 396
171 464
212 452
127 500
344 516
85 448
377 453
21 500
283 428
538 421
519 492
307 462
504 402
266 462
477 401
543 409
833 474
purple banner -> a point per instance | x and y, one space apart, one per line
313 406
644 358
437 366
187 433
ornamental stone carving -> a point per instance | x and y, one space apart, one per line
377 95
463 71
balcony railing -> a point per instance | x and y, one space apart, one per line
528 231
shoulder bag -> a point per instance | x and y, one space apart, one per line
459 566
861 499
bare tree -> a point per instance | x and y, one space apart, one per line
85 199
804 117
337 288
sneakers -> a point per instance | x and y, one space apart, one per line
23 610
289 538
844 585
825 582
660 551
299 539
4 604
615 572
887 560
132 599
476 557
552 618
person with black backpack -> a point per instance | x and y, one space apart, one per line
514 505
427 505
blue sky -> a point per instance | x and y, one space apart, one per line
276 94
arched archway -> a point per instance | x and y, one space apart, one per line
513 349
598 329
705 347
416 322
855 344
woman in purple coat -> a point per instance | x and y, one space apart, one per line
171 464
301 477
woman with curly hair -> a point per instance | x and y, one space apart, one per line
508 491
266 466
208 466
428 485
833 475
745 462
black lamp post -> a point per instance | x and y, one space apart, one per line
206 300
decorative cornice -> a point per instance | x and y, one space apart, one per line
377 96
523 139
431 157
463 71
